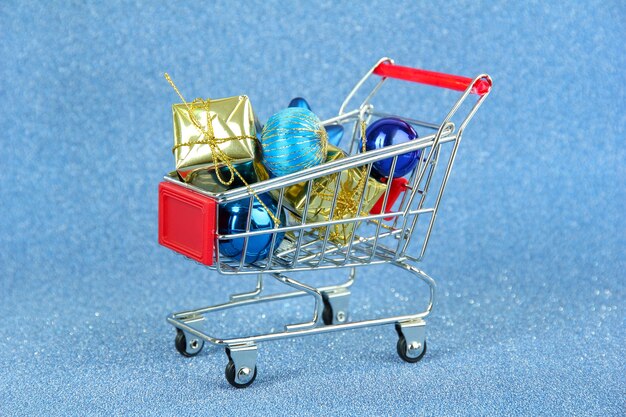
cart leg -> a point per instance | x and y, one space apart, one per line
188 344
411 340
241 368
250 294
300 286
336 303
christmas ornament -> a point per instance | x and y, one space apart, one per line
299 102
292 140
335 133
391 131
233 219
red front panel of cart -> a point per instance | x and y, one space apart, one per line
187 222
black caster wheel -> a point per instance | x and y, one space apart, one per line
402 351
231 373
327 313
181 344
335 306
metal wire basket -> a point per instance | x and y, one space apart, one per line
382 237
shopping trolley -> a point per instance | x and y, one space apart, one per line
188 216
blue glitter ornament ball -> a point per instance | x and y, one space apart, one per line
334 132
293 139
391 131
232 219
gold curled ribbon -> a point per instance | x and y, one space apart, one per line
217 154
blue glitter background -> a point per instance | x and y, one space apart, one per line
529 249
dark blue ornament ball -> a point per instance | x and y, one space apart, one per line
391 131
232 219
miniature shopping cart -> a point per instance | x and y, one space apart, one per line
188 218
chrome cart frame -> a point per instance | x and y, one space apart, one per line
377 238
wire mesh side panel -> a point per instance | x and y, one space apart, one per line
331 227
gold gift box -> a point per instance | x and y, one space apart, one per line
208 180
352 183
231 121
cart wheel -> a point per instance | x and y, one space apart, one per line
231 373
196 345
327 313
336 303
416 352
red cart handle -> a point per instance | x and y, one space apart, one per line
436 79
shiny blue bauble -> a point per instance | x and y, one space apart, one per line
335 133
391 131
232 219
292 140
299 102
